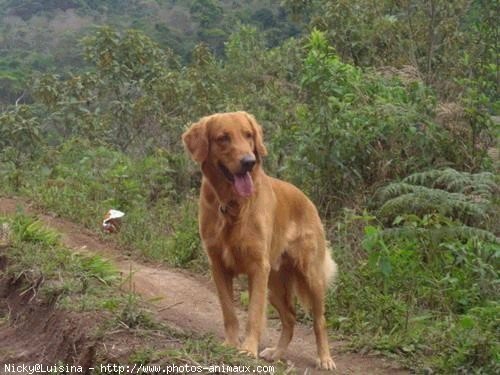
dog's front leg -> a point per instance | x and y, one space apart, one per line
257 283
224 283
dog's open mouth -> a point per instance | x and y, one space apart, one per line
242 182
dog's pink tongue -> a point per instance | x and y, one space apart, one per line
243 184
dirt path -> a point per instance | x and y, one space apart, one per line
190 303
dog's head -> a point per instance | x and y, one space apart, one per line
232 143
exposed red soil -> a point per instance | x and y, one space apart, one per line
37 333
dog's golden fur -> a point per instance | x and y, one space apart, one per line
274 235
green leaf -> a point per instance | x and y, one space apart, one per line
371 231
467 322
385 266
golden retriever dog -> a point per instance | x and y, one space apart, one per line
260 226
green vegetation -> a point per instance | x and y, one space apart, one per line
81 182
423 282
43 36
384 114
80 282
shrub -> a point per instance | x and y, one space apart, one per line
357 128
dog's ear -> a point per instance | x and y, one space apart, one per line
196 140
260 148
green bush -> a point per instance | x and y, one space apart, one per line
356 128
466 197
469 344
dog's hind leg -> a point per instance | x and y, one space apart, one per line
315 268
281 297
316 291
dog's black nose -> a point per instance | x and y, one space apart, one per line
247 163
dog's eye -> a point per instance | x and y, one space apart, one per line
248 135
224 138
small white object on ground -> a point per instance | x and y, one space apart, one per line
112 221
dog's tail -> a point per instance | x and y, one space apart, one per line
317 282
329 267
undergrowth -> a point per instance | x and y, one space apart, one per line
47 270
82 183
418 283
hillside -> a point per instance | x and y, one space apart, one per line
44 36
382 113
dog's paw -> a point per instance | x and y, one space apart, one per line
271 354
249 350
326 363
248 353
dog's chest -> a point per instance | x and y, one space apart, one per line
234 258
236 244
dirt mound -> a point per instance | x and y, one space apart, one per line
35 332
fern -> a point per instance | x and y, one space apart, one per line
458 195
448 179
441 234
420 200
463 204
